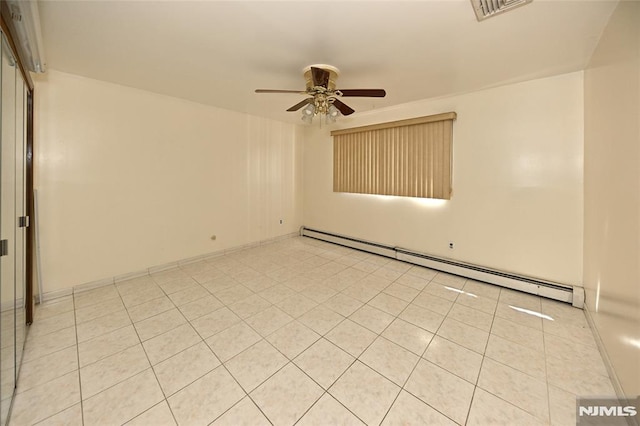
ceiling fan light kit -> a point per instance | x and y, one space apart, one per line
323 96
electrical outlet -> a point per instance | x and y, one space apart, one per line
451 245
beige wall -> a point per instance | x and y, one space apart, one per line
128 179
517 183
612 192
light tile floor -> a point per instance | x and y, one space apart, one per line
309 333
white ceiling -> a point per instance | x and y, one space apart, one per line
218 52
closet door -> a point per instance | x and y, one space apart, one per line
8 228
21 220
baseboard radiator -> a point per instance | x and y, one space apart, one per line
551 290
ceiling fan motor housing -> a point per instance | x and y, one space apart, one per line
333 76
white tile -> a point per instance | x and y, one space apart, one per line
390 360
215 322
575 354
287 395
269 320
318 293
442 291
150 308
123 401
107 344
517 333
255 365
562 407
351 337
465 335
159 324
139 297
170 343
52 308
293 338
200 307
487 409
411 280
481 289
244 413
387 303
72 416
520 299
95 296
451 280
422 272
250 306
470 316
579 335
114 369
452 395
402 292
433 303
454 358
47 368
518 315
233 294
94 311
408 336
102 325
158 415
324 362
277 293
516 356
197 405
343 304
328 411
185 367
36 347
480 303
232 341
409 410
513 386
50 398
296 305
372 318
321 319
421 317
183 297
577 379
365 393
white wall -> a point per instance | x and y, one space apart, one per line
129 179
517 182
612 193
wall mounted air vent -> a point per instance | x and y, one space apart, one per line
487 8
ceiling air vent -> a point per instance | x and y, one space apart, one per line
487 8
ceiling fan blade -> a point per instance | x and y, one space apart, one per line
369 93
320 77
280 91
342 107
301 104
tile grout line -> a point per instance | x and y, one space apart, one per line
75 324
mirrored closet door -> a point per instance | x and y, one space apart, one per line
13 223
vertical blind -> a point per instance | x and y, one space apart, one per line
410 158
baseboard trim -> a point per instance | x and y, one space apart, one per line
50 295
615 381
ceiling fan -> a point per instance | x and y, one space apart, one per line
323 95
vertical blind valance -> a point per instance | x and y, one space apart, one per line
410 158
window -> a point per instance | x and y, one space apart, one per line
410 158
